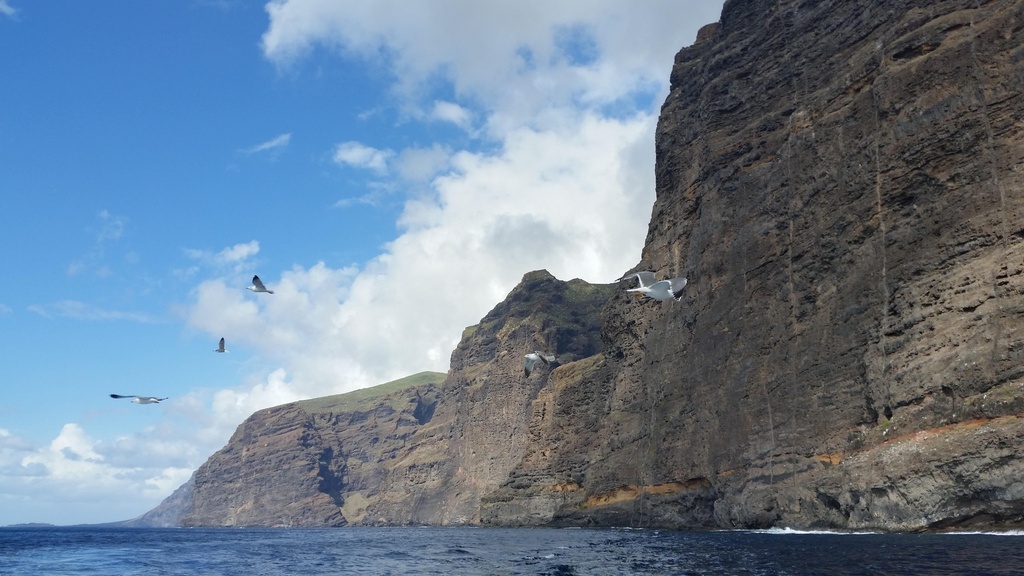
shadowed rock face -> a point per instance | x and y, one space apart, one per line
841 182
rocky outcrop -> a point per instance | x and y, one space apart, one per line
842 183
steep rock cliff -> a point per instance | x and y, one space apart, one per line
842 183
421 450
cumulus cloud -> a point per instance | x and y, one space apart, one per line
452 112
362 156
420 165
75 468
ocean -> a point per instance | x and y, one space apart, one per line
498 551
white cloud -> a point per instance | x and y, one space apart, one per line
369 199
362 156
420 165
236 258
238 252
5 309
275 145
70 455
7 10
452 112
81 311
75 469
516 58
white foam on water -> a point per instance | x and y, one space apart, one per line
793 531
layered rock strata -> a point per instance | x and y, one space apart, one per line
842 183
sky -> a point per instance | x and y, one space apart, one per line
390 169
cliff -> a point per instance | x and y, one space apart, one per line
841 182
421 450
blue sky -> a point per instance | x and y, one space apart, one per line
390 169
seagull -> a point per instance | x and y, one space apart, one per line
257 286
221 347
140 399
657 289
532 358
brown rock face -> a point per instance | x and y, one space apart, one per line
407 452
276 470
842 183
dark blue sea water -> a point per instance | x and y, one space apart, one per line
492 551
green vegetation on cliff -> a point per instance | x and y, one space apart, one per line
367 398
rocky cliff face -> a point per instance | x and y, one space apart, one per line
423 450
843 184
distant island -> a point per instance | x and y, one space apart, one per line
31 525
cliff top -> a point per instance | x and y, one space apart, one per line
367 398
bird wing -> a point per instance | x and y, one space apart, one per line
646 278
120 396
661 285
676 286
258 283
221 346
528 363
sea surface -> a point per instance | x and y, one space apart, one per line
496 551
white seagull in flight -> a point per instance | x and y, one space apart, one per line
140 399
257 286
657 289
220 347
532 358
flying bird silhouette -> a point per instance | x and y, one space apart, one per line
532 358
220 347
257 286
140 399
651 287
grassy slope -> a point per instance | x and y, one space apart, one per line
367 398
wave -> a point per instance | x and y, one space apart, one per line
793 531
988 533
